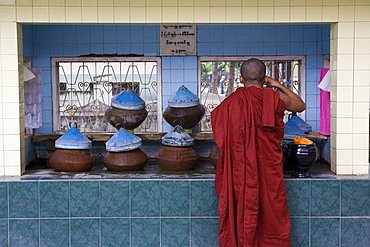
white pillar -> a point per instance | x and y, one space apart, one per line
12 160
350 66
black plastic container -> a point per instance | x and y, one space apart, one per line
301 157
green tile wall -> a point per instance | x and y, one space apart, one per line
54 199
4 232
179 212
54 232
23 200
3 201
115 232
175 232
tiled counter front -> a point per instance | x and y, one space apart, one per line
168 213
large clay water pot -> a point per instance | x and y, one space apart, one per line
187 117
128 119
184 109
69 160
125 161
301 157
124 153
177 158
177 155
127 111
72 153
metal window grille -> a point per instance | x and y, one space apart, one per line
219 77
86 88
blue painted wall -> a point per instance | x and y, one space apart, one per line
45 41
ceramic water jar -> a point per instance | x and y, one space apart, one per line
72 153
301 157
177 155
124 153
127 111
184 109
177 158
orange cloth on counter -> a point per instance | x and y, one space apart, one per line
248 128
301 140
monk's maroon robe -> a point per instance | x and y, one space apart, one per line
248 128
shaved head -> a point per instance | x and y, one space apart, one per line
253 70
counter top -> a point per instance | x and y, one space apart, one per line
145 136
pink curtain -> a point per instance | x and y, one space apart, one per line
324 105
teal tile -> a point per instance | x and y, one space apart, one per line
175 232
325 232
24 232
145 198
325 198
84 199
355 232
23 200
114 198
204 232
300 232
54 232
3 200
355 198
115 232
145 232
203 200
54 199
175 198
298 193
85 232
3 232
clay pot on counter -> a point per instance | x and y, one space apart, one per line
184 109
177 158
187 117
133 160
72 153
177 155
127 111
124 153
128 119
67 160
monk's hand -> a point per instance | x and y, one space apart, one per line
270 82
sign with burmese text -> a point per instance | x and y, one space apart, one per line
178 40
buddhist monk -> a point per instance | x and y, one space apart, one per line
248 128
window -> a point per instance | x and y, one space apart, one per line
83 88
219 77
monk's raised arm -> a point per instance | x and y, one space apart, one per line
292 101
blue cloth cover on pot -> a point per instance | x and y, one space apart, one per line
183 98
128 100
73 139
177 137
123 141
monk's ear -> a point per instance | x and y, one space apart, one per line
241 79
